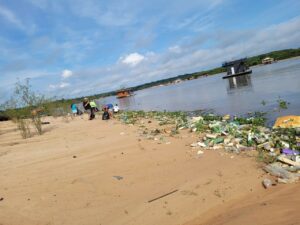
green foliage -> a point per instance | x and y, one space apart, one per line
288 136
212 117
201 126
276 55
179 119
265 157
257 121
282 104
263 102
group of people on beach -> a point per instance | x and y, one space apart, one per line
91 106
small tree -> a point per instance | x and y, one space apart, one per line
25 106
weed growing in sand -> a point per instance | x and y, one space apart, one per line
23 126
200 126
265 157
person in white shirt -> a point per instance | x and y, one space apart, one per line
116 108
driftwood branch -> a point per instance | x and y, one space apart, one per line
288 161
169 193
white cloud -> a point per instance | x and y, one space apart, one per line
66 74
192 58
132 59
61 85
52 86
11 17
175 49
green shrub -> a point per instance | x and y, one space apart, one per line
24 108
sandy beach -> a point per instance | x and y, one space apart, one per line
96 172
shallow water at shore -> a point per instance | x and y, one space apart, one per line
235 96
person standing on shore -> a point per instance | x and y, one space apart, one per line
90 105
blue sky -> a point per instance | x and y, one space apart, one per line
71 48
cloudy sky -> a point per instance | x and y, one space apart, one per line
71 48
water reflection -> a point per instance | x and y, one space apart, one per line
239 82
125 103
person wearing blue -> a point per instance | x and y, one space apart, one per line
110 109
109 106
74 109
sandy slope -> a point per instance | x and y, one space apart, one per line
66 176
279 206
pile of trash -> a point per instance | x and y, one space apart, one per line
279 147
179 119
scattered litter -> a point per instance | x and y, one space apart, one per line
276 170
194 144
122 133
218 140
118 177
296 158
200 152
226 117
267 183
212 136
201 144
283 158
217 147
290 151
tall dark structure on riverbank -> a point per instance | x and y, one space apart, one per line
236 68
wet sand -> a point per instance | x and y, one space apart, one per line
103 172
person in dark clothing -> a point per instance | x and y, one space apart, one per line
105 115
87 105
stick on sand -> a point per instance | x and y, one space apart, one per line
154 199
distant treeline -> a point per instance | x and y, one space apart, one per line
276 55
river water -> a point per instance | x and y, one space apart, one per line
234 96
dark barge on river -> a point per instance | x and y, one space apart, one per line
236 68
